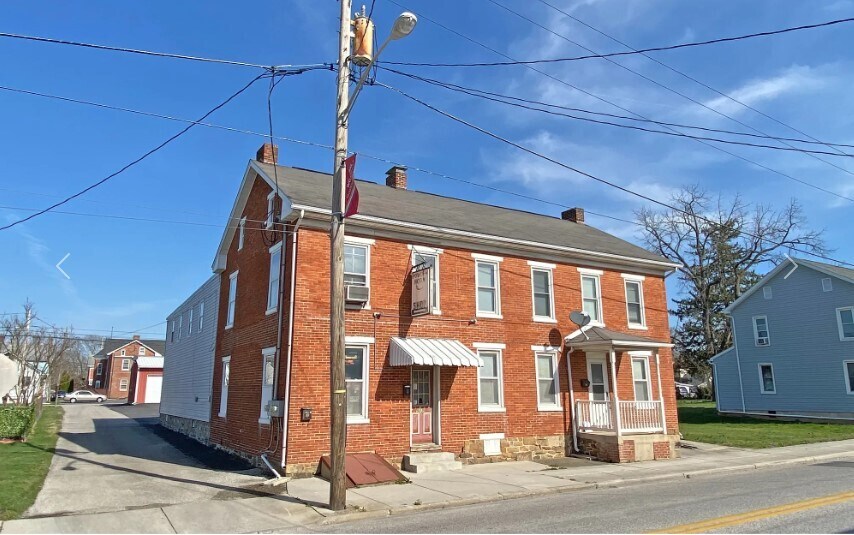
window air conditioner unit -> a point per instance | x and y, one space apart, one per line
356 294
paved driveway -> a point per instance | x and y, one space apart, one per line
108 458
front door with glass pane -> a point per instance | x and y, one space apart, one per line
422 405
597 374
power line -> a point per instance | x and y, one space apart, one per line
629 53
576 170
604 114
605 100
618 125
811 154
691 78
136 161
148 52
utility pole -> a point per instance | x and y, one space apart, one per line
338 424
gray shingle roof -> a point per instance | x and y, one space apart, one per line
313 188
111 344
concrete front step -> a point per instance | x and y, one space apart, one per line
441 461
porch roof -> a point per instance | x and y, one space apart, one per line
606 338
431 352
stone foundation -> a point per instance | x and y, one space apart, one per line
195 429
515 449
629 449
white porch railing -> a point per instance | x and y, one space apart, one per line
635 416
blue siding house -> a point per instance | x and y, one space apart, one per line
793 352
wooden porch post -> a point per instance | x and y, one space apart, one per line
571 387
616 398
660 395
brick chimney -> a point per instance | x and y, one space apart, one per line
136 337
268 154
576 215
396 177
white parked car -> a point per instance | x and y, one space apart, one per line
83 395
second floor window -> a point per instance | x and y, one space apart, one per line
180 325
271 209
591 298
760 331
241 233
232 300
845 319
201 316
356 264
430 260
100 369
543 294
634 303
488 297
126 363
190 323
273 283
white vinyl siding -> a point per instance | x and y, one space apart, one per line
845 322
356 380
634 304
767 384
490 386
488 291
232 300
640 377
542 290
591 297
548 390
273 281
761 334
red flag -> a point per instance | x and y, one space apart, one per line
351 195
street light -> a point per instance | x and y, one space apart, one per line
403 26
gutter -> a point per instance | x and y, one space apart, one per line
286 414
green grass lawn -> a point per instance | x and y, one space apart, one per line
699 421
24 465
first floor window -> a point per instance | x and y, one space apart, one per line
267 374
547 386
640 376
845 319
223 398
98 383
123 385
591 300
489 378
849 375
355 373
766 379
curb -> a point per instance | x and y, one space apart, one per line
350 516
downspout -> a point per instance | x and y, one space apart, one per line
286 414
572 401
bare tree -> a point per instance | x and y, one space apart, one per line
720 245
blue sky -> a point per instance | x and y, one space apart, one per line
128 275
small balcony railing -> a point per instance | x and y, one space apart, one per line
635 416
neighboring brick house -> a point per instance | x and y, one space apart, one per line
113 364
494 369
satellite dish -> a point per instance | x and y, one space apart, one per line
579 318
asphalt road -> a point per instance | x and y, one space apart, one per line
657 506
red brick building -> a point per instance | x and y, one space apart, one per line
483 361
113 364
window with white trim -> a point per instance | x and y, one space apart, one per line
543 294
201 316
640 377
122 352
356 264
190 323
761 334
241 233
126 364
634 303
123 385
591 297
267 375
356 380
141 350
827 285
180 325
172 335
271 207
848 370
845 322
223 393
548 391
273 281
766 379
430 260
100 369
232 300
767 292
490 387
488 288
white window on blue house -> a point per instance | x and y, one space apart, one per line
827 285
767 293
845 321
760 331
848 368
766 379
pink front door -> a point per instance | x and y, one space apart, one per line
422 405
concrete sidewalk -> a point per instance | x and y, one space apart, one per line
304 502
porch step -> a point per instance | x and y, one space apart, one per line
419 463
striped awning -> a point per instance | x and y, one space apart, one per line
431 352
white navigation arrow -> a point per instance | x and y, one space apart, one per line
64 258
